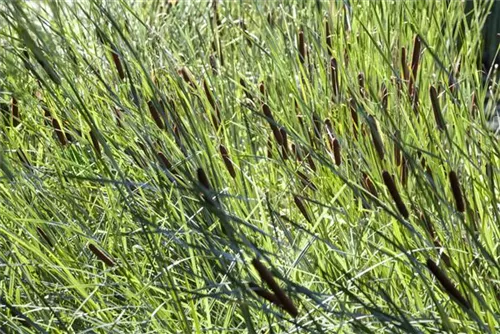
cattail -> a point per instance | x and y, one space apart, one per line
103 257
187 76
397 154
436 108
448 286
203 179
414 63
389 183
310 161
44 236
305 181
59 132
300 205
329 132
361 82
302 47
262 89
296 152
95 143
329 44
385 96
368 185
118 115
245 89
404 170
216 113
406 73
474 106
267 277
377 139
284 146
16 119
156 115
435 238
335 77
457 193
336 152
354 116
300 118
274 128
118 64
213 64
261 292
227 161
164 161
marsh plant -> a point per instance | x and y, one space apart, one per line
247 167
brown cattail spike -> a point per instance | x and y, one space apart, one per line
368 185
329 44
436 109
227 161
59 132
100 254
300 205
406 72
389 183
118 64
448 286
164 161
302 47
261 292
272 123
457 193
156 115
414 63
203 179
267 277
361 82
335 77
187 76
336 152
44 236
377 139
16 119
354 116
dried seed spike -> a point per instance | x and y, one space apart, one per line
436 108
44 236
368 185
336 152
213 64
404 170
300 205
261 292
164 161
361 82
377 139
16 119
118 64
302 47
335 77
385 96
284 146
435 238
296 152
389 183
156 115
272 123
267 277
329 44
448 286
203 179
457 193
354 116
310 161
59 132
208 94
262 89
305 181
414 62
118 115
406 72
397 154
100 254
95 143
187 76
227 161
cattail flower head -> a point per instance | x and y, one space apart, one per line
102 256
389 182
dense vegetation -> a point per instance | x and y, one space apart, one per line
251 166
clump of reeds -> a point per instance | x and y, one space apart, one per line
389 182
284 301
102 256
